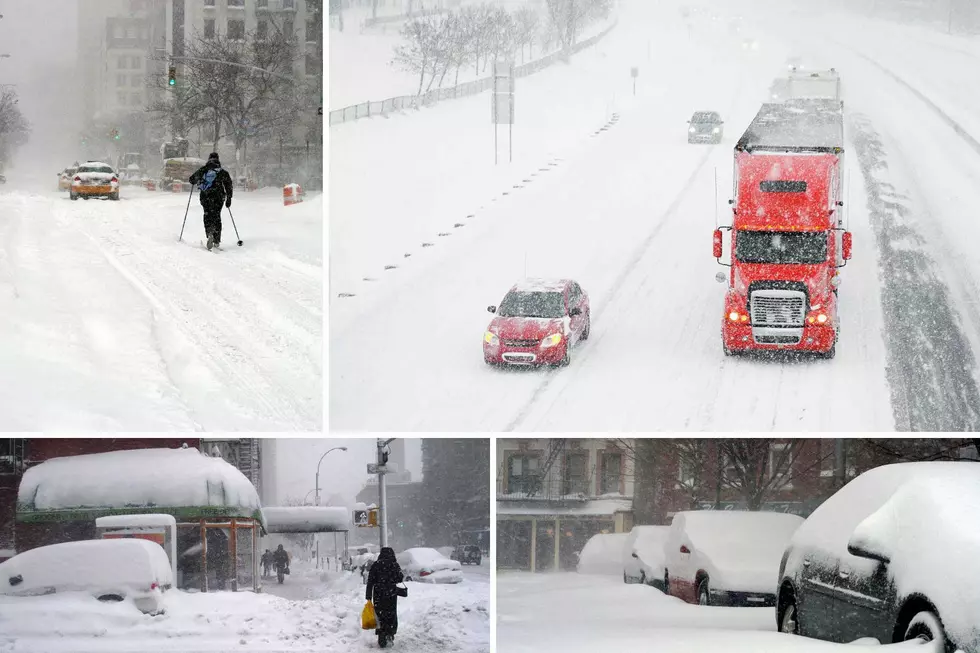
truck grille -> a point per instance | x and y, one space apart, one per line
777 308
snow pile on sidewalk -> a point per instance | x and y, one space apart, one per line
150 478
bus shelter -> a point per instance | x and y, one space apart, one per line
311 520
216 509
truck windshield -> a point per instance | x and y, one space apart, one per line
787 247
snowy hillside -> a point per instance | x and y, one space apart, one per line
605 190
110 323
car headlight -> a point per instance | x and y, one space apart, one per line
491 338
692 130
552 340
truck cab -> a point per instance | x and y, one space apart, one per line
787 238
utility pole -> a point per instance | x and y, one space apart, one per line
380 468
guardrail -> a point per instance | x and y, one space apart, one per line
384 107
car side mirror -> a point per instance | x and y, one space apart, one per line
721 277
492 309
635 556
847 242
731 202
15 580
859 551
684 549
575 311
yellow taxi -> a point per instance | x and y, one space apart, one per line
94 179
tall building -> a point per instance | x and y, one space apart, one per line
455 497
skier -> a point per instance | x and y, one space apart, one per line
281 561
384 575
216 187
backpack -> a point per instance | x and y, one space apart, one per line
209 178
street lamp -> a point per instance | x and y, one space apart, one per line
317 486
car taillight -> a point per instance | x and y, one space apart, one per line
114 180
78 178
153 586
424 572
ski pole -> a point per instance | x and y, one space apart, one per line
236 227
181 236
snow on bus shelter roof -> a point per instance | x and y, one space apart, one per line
179 482
306 519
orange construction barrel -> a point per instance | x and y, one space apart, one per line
291 194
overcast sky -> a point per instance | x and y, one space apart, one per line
342 472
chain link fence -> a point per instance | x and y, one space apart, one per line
384 107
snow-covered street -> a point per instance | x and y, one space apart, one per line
573 613
605 190
112 324
321 612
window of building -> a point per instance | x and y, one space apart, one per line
122 63
236 3
261 4
130 31
523 474
209 28
262 30
137 63
311 31
575 474
612 473
136 99
121 80
236 30
208 3
121 99
687 476
312 65
779 464
137 81
288 30
117 31
288 4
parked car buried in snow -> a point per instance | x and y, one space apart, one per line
94 179
893 555
643 555
537 323
429 566
109 570
726 557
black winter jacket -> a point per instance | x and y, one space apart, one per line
221 190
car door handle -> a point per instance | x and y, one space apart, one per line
844 574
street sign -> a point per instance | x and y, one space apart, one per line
634 72
503 108
360 518
374 468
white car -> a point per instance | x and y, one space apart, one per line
602 554
429 566
726 557
110 570
94 179
643 555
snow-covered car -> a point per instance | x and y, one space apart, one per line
429 566
602 554
726 557
467 554
94 179
109 570
65 177
705 127
537 323
643 555
893 555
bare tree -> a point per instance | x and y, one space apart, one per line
419 51
569 17
527 23
14 128
500 34
760 467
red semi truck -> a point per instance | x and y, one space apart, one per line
788 239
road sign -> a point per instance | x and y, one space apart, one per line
503 108
634 72
374 468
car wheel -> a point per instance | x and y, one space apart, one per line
86 197
830 353
927 627
588 326
704 597
666 583
625 578
114 197
643 578
114 598
72 196
788 622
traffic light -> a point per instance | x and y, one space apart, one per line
172 79
114 134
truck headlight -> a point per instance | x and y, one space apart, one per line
715 130
552 340
692 130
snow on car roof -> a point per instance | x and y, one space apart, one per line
86 565
540 285
143 478
134 521
306 519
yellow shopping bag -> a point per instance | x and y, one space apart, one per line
368 619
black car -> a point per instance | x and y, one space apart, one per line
889 556
705 127
468 554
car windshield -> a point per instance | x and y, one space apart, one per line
532 304
94 168
705 117
781 247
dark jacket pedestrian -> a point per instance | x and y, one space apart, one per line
216 189
384 575
266 562
280 559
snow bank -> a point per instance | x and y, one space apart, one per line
929 533
424 558
147 478
306 519
603 554
96 566
740 550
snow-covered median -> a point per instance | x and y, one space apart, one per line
322 616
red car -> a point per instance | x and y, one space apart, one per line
537 323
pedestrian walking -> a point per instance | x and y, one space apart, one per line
266 563
281 561
385 574
215 185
